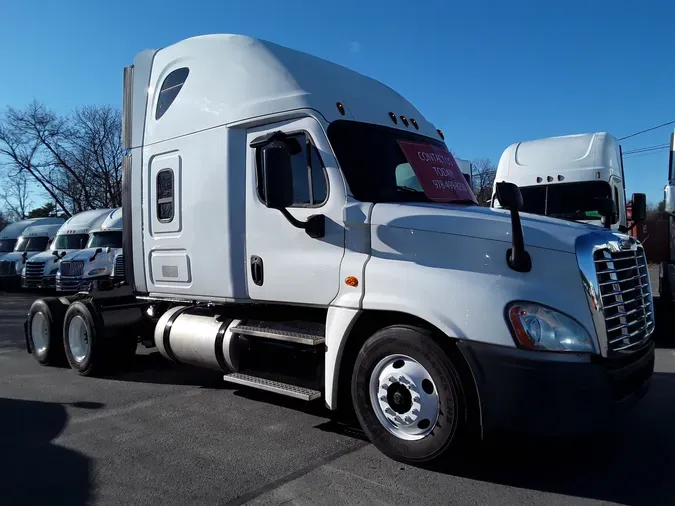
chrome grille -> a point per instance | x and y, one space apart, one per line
119 267
7 268
72 268
72 285
35 270
623 281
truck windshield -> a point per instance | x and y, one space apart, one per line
71 241
7 245
374 164
569 201
105 239
32 244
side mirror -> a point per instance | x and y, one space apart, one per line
277 176
669 198
468 179
608 211
509 196
55 253
639 207
107 249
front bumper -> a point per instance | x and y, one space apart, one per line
79 284
44 283
555 394
10 281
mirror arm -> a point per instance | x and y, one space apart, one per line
315 226
518 259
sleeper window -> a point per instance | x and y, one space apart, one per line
170 89
165 195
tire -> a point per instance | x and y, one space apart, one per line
44 331
83 339
411 354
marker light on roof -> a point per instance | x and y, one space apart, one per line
440 132
597 175
341 108
405 120
393 118
414 123
561 177
549 178
539 180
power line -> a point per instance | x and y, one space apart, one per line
647 148
635 155
647 130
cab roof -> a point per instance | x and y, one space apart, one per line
113 221
14 230
233 78
41 231
84 222
563 159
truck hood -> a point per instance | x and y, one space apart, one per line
103 260
46 256
481 222
17 256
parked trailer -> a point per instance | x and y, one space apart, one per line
573 177
100 262
267 236
40 271
33 240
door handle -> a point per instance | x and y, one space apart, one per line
257 272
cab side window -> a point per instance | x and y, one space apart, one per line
310 185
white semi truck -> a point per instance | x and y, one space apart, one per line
33 240
11 233
267 236
570 177
101 261
40 271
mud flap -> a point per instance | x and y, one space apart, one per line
25 334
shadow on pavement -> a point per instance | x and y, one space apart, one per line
34 470
631 464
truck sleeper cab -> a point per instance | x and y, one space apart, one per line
271 233
40 271
33 240
565 177
101 261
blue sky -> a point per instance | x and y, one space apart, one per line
488 73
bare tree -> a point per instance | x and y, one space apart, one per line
16 195
75 159
483 178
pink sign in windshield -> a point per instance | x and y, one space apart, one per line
437 172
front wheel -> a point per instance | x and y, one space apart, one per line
408 396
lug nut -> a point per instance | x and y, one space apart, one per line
390 411
403 379
383 398
392 379
408 419
415 412
416 399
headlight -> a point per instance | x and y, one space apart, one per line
93 272
540 328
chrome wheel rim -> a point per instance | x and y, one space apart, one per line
78 338
39 331
404 397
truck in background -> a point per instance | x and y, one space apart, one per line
569 177
274 238
667 268
101 261
33 240
11 233
40 270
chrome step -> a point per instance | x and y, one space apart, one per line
305 394
279 335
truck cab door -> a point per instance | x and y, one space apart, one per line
284 263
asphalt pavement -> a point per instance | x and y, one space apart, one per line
165 434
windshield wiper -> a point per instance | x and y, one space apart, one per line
408 189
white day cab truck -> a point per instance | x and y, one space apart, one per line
571 177
33 240
667 268
99 263
40 271
267 237
11 233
